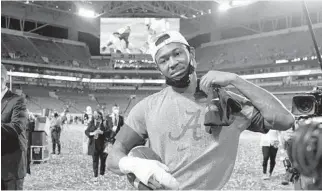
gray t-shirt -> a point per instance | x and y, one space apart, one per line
174 125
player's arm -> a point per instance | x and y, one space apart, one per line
126 139
133 133
269 111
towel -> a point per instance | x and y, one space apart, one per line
220 108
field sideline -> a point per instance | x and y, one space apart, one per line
73 171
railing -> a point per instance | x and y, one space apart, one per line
159 81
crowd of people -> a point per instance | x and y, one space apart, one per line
100 129
18 124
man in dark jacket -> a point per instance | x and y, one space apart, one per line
13 137
115 121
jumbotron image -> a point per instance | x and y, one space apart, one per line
161 95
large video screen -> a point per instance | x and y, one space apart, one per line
131 35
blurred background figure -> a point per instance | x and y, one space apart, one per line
55 130
98 135
116 121
63 118
87 118
29 130
114 45
286 138
269 143
124 35
88 115
14 143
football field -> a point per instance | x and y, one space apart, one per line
72 170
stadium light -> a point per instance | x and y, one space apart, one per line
86 13
224 6
237 3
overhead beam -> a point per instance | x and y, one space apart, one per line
154 8
183 5
114 9
37 28
60 19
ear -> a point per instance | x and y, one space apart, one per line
192 52
193 57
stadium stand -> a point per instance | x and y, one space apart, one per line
20 48
37 49
247 55
258 49
101 62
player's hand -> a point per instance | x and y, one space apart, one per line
114 128
149 172
216 77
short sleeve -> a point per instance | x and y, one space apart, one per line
257 121
137 118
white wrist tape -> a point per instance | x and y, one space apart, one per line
136 166
127 164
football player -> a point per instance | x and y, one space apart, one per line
174 123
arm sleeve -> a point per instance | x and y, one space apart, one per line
258 123
18 122
134 131
137 118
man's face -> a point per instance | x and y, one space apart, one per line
88 110
95 115
173 60
116 110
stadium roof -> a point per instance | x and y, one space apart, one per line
129 8
66 13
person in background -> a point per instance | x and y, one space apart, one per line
270 143
116 121
63 118
124 35
286 149
88 115
55 130
114 44
14 142
30 129
98 134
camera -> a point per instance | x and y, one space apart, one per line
308 104
306 144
